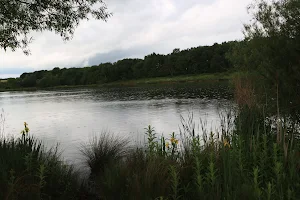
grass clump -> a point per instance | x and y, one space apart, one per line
103 152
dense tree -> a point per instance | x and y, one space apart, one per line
208 59
272 49
29 81
19 17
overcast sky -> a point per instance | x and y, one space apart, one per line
137 28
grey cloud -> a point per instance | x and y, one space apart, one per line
115 55
14 72
136 29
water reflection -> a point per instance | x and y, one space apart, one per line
72 117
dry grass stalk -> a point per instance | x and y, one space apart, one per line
244 91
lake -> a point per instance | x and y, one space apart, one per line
72 117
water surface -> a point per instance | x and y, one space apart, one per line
73 117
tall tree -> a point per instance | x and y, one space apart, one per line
19 17
272 48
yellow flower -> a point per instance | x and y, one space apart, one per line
172 140
167 144
26 129
226 143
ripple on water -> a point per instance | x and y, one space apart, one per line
72 117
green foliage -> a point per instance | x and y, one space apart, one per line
27 171
196 166
206 59
20 17
271 50
233 167
152 143
174 182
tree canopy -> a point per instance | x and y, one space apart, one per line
197 60
19 17
272 49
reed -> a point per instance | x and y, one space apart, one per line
28 171
243 161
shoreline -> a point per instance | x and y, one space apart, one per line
217 77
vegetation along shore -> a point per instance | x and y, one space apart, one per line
216 77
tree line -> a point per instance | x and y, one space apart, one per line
198 60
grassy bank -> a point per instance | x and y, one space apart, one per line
159 80
176 79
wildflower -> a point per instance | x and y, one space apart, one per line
172 139
167 144
26 129
226 143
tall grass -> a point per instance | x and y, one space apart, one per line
231 165
244 161
28 171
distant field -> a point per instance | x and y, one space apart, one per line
185 78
